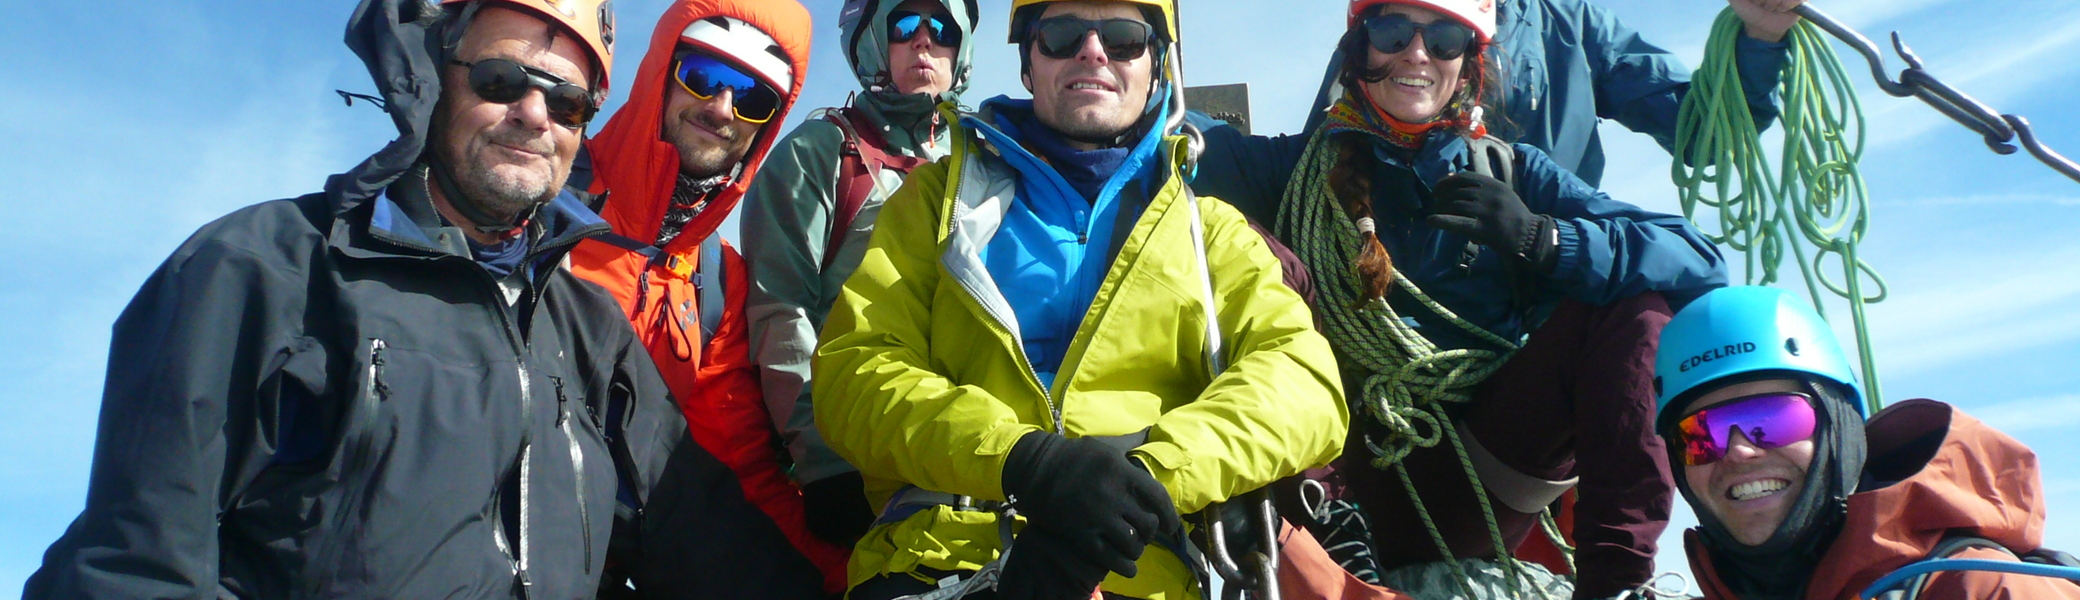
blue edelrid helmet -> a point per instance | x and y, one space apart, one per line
1736 330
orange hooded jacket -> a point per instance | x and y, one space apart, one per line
1978 482
717 386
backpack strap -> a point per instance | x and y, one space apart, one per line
1493 157
707 276
1950 546
708 281
861 159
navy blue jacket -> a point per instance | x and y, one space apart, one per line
1608 249
1566 60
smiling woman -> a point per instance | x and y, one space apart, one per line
1481 290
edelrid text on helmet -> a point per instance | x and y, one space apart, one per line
1742 330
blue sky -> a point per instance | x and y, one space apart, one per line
137 122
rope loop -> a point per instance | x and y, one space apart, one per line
1813 201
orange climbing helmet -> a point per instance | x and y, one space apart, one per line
590 20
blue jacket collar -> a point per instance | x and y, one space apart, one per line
997 122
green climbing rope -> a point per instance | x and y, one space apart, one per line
1815 196
1408 382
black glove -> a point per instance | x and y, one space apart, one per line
1045 565
1085 486
1487 210
836 508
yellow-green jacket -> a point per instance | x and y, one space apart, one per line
920 378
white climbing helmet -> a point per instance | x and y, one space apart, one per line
738 41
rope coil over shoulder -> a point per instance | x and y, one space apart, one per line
1408 382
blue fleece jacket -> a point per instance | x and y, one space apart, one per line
1052 251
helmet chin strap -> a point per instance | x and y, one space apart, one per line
482 222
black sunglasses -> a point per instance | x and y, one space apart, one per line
904 25
1124 39
505 82
1444 39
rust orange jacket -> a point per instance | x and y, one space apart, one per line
1977 482
716 386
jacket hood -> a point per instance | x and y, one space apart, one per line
1933 471
398 42
640 168
864 40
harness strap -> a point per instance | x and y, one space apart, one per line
709 280
708 277
861 159
1948 547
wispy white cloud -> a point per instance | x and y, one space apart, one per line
1869 14
1976 306
2034 414
1990 200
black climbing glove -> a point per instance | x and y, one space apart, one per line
837 509
1487 210
1111 504
1046 565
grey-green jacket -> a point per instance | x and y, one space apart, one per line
787 222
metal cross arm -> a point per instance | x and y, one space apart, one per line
1998 129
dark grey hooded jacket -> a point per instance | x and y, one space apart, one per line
328 397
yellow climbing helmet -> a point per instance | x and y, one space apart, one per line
1168 8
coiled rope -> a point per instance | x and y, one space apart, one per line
1408 381
1815 196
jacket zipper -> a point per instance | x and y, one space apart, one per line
526 462
518 552
563 421
373 392
965 148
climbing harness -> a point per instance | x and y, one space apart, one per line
1408 382
1998 129
1815 196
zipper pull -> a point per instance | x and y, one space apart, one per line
562 413
375 369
